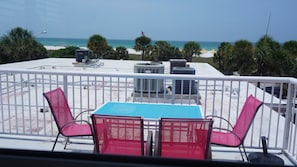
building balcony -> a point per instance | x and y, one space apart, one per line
26 122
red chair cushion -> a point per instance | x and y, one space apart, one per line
123 147
180 150
223 138
77 130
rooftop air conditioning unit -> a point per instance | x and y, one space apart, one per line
149 85
177 63
184 86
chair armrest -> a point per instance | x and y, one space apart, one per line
75 121
227 130
149 144
214 116
84 112
157 144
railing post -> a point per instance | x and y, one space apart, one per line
65 81
173 91
288 118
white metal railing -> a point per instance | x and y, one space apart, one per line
24 110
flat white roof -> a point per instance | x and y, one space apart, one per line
103 65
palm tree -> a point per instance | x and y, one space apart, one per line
224 57
109 53
162 50
191 48
291 46
98 44
3 57
268 56
242 53
121 53
289 51
37 51
142 43
20 45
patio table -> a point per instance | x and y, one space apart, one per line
150 111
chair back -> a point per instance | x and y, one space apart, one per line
184 138
246 116
59 107
123 134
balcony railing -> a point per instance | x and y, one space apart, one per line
24 110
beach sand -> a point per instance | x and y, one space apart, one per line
130 50
54 47
204 53
207 53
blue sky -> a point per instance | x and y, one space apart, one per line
197 20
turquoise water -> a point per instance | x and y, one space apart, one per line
116 43
154 111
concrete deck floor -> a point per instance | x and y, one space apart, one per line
86 146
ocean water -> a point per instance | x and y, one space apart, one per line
117 42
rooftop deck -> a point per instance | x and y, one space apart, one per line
86 146
23 126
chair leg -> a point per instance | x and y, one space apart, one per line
94 143
247 159
241 153
66 142
55 142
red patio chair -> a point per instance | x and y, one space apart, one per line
235 137
67 125
183 138
120 135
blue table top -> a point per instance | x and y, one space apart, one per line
150 111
